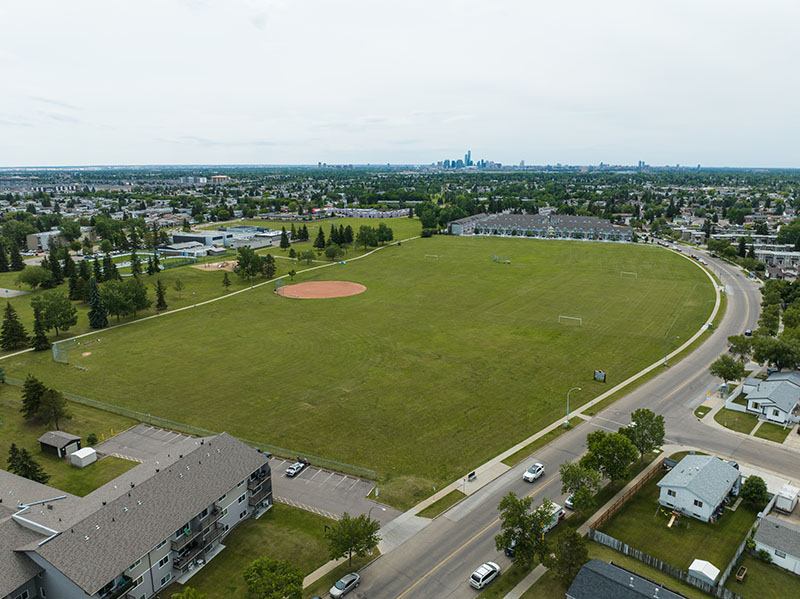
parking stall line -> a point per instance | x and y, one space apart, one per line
308 480
344 478
353 485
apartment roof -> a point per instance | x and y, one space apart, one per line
58 439
779 534
708 477
600 580
101 545
15 568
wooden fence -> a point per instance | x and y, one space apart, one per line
711 589
654 470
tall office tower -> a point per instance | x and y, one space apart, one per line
468 158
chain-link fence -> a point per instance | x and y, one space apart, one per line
203 432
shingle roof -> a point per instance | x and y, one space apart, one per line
139 518
15 568
779 534
58 439
600 580
708 477
783 393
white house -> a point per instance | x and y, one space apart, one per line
776 398
698 485
782 540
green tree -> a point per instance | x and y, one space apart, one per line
727 368
348 535
98 315
570 554
32 391
284 239
16 258
581 482
98 271
741 346
770 319
53 408
110 269
754 491
136 264
524 527
55 266
226 282
782 353
39 341
268 578
609 453
384 233
12 333
13 459
115 299
3 259
24 465
188 593
291 274
268 266
366 236
35 276
332 252
646 430
161 301
319 242
791 316
248 263
178 286
57 311
91 439
307 257
349 236
136 292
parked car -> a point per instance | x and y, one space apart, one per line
568 502
509 550
345 584
485 574
534 472
748 333
296 468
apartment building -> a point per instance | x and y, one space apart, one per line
159 522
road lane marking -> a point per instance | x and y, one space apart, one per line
468 542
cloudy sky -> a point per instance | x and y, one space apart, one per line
407 81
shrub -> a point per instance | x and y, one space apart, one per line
91 439
764 556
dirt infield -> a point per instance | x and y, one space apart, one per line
227 265
321 289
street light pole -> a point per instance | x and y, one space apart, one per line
566 422
666 343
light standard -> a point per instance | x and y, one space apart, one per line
566 422
666 343
369 513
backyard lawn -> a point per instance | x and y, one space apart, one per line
444 339
63 476
284 532
642 523
773 432
764 581
736 421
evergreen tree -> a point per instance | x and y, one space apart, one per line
156 263
69 264
226 282
39 340
12 334
151 270
333 236
136 265
349 237
342 236
84 270
161 302
32 391
55 267
98 315
13 458
110 271
24 465
53 408
83 290
293 236
3 258
292 253
73 286
284 239
319 242
268 266
98 271
16 258
305 233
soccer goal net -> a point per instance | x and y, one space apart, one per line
575 320
628 274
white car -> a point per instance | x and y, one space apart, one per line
485 574
534 472
345 584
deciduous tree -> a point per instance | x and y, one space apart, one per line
524 527
727 368
352 535
581 482
53 408
741 347
646 430
35 276
754 490
268 578
609 453
57 311
570 553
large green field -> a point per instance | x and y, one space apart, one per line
442 363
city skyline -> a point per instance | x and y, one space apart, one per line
272 82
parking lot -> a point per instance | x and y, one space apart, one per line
326 492
140 443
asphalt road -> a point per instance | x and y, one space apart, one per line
437 562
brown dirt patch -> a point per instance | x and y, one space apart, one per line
210 266
321 289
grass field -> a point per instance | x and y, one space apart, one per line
764 581
773 432
736 421
400 378
641 524
64 476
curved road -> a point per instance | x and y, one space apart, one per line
436 562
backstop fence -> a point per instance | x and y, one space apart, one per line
203 432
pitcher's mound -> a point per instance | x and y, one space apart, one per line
321 289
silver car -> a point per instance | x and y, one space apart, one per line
345 584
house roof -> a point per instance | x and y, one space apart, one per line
103 543
58 439
15 568
779 534
706 476
600 580
782 392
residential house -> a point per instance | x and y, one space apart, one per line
601 580
782 540
59 443
698 486
776 398
160 521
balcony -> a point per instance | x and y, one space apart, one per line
258 497
181 542
123 586
194 552
254 483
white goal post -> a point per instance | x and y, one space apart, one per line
570 320
625 273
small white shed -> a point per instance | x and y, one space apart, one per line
787 498
83 457
705 571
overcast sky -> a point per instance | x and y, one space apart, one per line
407 81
